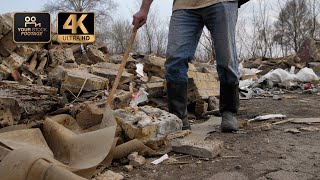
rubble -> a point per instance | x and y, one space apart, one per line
9 112
109 175
96 56
148 124
136 160
90 115
128 168
76 80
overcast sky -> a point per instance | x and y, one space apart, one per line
126 7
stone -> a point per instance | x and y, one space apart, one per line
122 99
229 176
7 45
61 56
90 115
56 76
128 168
202 85
286 175
196 146
154 66
5 24
9 111
24 51
76 78
148 124
110 71
292 130
200 107
109 175
213 103
136 160
155 89
95 55
4 72
14 61
116 59
155 79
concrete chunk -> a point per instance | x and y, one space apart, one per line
9 111
7 45
136 160
150 125
202 85
154 66
196 146
110 71
61 56
91 115
95 55
76 78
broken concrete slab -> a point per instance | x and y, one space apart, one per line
14 61
155 89
202 85
148 124
195 145
10 112
77 79
110 71
154 66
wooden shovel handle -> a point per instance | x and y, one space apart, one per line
122 67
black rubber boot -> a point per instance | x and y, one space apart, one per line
229 106
177 102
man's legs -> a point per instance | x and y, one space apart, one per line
184 34
221 21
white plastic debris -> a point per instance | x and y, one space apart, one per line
307 75
268 117
139 97
139 70
246 83
279 76
160 160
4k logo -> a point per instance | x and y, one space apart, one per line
77 27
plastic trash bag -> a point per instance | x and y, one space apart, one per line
307 75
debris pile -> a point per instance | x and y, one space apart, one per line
52 104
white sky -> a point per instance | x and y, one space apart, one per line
125 10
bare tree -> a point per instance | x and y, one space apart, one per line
293 24
102 8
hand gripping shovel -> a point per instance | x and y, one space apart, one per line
108 115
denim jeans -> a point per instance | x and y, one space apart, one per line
184 33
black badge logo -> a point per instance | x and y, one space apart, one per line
76 27
32 27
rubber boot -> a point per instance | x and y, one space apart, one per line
229 106
177 102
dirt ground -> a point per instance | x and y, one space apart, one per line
251 153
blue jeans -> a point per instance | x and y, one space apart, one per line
184 33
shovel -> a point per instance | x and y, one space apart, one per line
108 115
